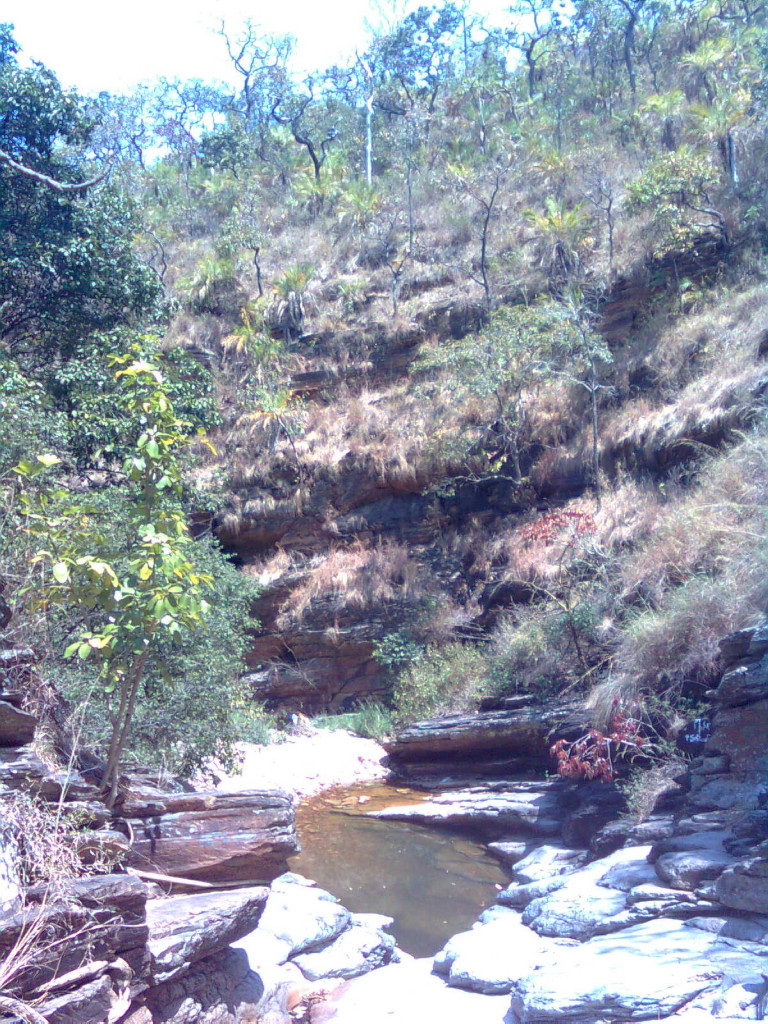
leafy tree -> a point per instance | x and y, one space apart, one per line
678 189
66 264
133 604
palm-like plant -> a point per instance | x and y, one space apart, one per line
562 230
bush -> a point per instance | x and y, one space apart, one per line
445 681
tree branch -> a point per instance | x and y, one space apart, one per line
44 179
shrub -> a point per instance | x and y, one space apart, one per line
445 681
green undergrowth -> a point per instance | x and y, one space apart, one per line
372 720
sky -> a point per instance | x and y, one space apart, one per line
112 45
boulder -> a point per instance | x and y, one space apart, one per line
91 1003
217 837
17 727
522 732
588 808
547 861
493 954
20 768
509 852
684 862
184 929
645 972
360 948
593 901
743 684
753 928
220 989
302 916
744 886
627 832
103 918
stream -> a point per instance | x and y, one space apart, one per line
433 882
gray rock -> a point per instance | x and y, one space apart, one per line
492 955
20 768
743 929
183 929
743 684
509 852
547 861
221 989
301 915
521 731
689 870
613 977
744 886
628 832
519 896
593 901
359 949
91 1003
529 806
212 836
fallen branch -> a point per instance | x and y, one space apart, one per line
153 876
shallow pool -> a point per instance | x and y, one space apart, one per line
433 883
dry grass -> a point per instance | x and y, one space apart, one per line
702 574
358 578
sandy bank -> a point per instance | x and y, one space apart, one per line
305 765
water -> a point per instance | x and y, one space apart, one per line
432 882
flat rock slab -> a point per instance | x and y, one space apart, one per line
642 973
408 993
745 886
523 731
547 861
217 837
493 809
184 929
597 899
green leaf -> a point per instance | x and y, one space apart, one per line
60 572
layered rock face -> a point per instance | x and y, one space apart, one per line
495 742
210 836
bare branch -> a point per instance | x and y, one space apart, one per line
44 179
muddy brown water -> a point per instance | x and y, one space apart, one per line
434 883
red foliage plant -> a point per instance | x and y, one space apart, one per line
593 755
548 527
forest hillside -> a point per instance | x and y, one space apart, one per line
405 388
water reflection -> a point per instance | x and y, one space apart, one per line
433 883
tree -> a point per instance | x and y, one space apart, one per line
129 605
66 263
536 24
485 190
303 114
262 61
